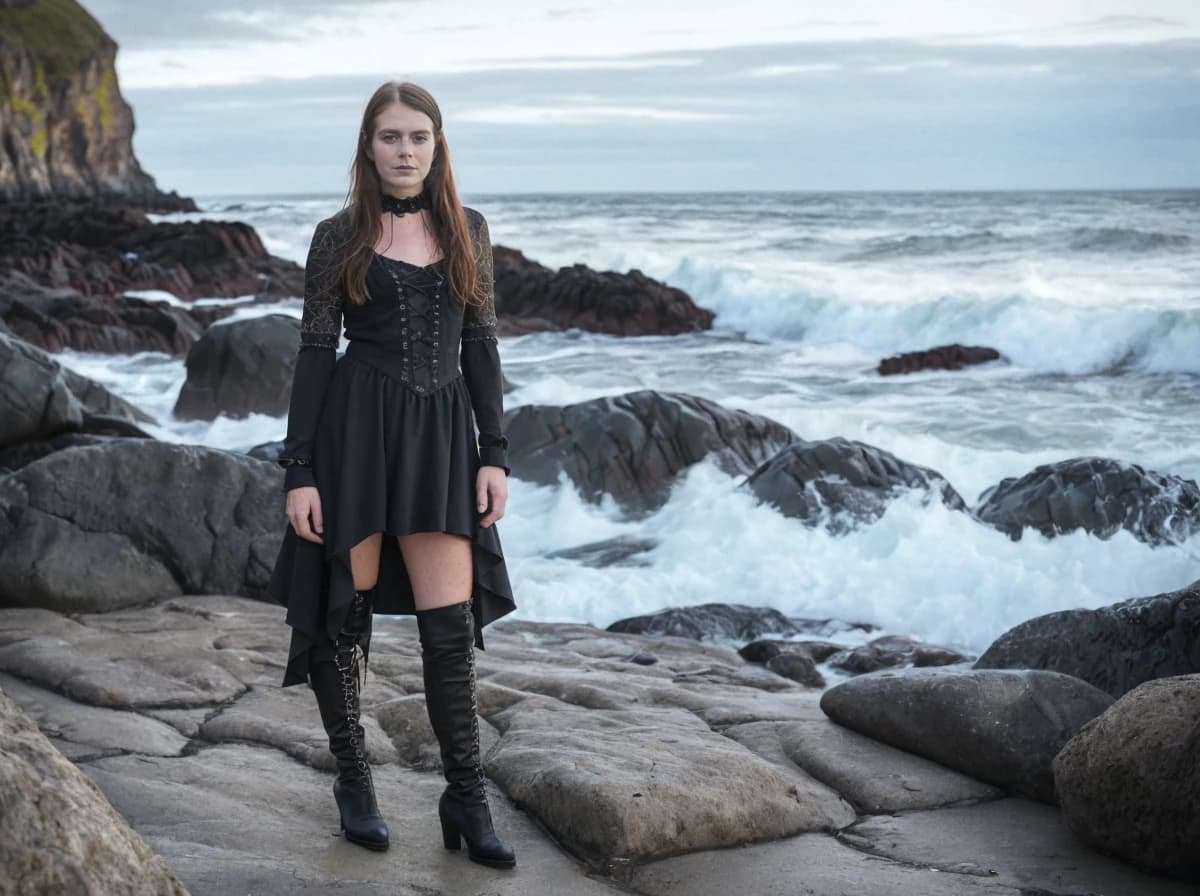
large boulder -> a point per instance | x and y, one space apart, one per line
241 368
1129 781
112 525
631 446
1098 495
1001 727
839 483
630 304
40 400
58 834
1115 648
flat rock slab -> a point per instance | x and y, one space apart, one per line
1017 842
874 777
636 783
239 819
89 729
808 865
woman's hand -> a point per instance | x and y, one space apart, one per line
303 505
491 491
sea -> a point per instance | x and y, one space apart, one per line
1093 299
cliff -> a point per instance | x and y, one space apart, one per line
65 130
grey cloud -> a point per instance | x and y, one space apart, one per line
1106 116
151 24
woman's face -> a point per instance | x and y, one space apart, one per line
402 149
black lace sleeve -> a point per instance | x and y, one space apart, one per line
320 331
480 355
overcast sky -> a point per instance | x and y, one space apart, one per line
256 96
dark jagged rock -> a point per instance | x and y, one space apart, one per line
623 550
999 726
631 446
839 483
67 131
1098 495
57 319
735 622
45 407
241 368
114 525
105 251
630 304
267 451
944 357
1115 648
1128 782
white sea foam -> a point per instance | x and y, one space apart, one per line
1093 300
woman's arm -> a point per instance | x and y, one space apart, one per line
480 356
320 331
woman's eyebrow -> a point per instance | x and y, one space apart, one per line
395 131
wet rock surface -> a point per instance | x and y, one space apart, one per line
1115 648
1098 495
607 773
632 446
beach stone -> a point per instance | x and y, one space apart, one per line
890 651
1095 494
531 296
632 446
1129 780
735 622
839 483
1114 648
88 528
58 834
943 357
764 649
998 726
799 667
636 783
241 368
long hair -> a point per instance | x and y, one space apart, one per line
365 208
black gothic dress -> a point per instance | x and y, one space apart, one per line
385 433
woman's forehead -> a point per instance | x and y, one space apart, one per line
402 118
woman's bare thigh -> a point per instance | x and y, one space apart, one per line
364 561
439 567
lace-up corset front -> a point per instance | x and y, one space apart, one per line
409 314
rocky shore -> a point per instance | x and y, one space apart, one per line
146 746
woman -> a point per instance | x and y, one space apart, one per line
392 504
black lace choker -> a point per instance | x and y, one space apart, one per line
398 206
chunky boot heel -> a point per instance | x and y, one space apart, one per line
451 839
335 683
448 661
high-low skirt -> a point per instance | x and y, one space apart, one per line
386 459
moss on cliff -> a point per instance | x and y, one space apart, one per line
59 35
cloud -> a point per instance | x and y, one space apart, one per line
574 115
780 71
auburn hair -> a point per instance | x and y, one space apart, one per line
363 204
